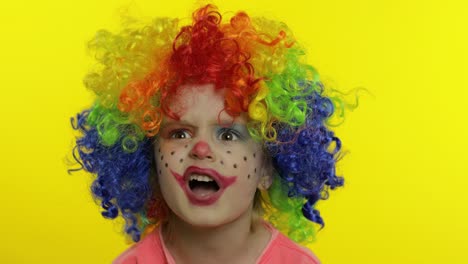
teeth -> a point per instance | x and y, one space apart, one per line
202 178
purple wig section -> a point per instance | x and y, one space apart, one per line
122 182
302 158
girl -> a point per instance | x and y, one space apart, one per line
208 139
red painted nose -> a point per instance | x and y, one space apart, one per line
201 150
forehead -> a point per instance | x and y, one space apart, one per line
194 103
187 96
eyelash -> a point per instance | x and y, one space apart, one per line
232 131
223 131
173 133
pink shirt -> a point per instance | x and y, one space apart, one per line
279 250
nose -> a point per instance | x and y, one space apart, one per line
201 150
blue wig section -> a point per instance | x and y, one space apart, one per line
305 156
122 182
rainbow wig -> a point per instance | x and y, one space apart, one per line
261 65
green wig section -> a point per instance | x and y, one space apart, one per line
113 125
286 100
285 213
287 79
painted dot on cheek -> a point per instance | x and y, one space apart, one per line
172 152
165 165
228 152
162 157
254 155
222 162
245 158
248 176
255 170
185 146
181 160
159 150
235 166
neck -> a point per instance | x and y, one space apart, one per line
221 244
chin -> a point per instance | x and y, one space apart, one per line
211 217
208 219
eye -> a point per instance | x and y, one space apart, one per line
180 134
227 134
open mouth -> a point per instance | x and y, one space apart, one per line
202 185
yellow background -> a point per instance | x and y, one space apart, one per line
405 199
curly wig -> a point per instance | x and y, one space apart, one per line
266 76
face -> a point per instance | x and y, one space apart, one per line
208 165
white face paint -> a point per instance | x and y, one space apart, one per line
208 165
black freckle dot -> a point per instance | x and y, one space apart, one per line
248 176
172 152
159 150
181 160
162 157
228 152
222 162
254 155
186 146
165 165
245 158
255 170
235 166
159 171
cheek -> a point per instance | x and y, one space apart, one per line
168 157
241 162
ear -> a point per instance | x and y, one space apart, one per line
267 174
265 182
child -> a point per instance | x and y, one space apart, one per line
208 139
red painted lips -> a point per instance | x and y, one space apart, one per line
203 200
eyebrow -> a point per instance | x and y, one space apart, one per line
174 124
229 122
222 123
237 126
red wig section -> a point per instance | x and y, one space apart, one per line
205 52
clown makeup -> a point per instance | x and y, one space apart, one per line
209 166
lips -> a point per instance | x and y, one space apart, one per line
222 181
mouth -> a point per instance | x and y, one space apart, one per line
203 186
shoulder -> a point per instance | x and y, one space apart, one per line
148 250
284 250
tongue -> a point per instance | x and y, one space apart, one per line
203 190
